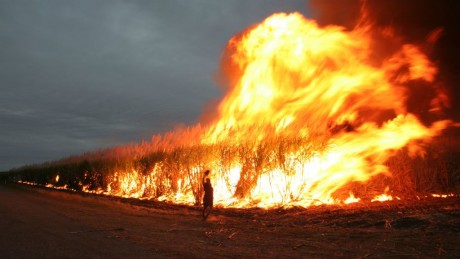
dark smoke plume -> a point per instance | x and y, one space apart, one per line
431 24
415 21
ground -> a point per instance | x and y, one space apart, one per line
43 223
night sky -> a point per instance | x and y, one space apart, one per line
77 76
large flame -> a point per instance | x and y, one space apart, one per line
309 110
294 79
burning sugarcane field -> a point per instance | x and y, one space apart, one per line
336 132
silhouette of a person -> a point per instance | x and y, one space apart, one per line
208 198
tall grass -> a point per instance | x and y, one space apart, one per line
179 168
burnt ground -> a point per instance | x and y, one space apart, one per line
42 223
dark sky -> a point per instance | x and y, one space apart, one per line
82 75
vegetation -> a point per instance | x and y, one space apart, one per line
164 171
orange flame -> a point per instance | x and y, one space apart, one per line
292 78
309 110
351 199
334 116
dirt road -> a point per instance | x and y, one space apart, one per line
42 223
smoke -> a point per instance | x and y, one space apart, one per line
339 12
432 24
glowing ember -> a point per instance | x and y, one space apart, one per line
351 199
382 197
442 195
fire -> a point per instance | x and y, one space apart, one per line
293 79
309 111
382 197
351 199
442 195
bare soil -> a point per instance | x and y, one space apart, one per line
43 223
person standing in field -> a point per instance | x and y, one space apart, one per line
208 198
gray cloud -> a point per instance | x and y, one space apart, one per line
81 75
